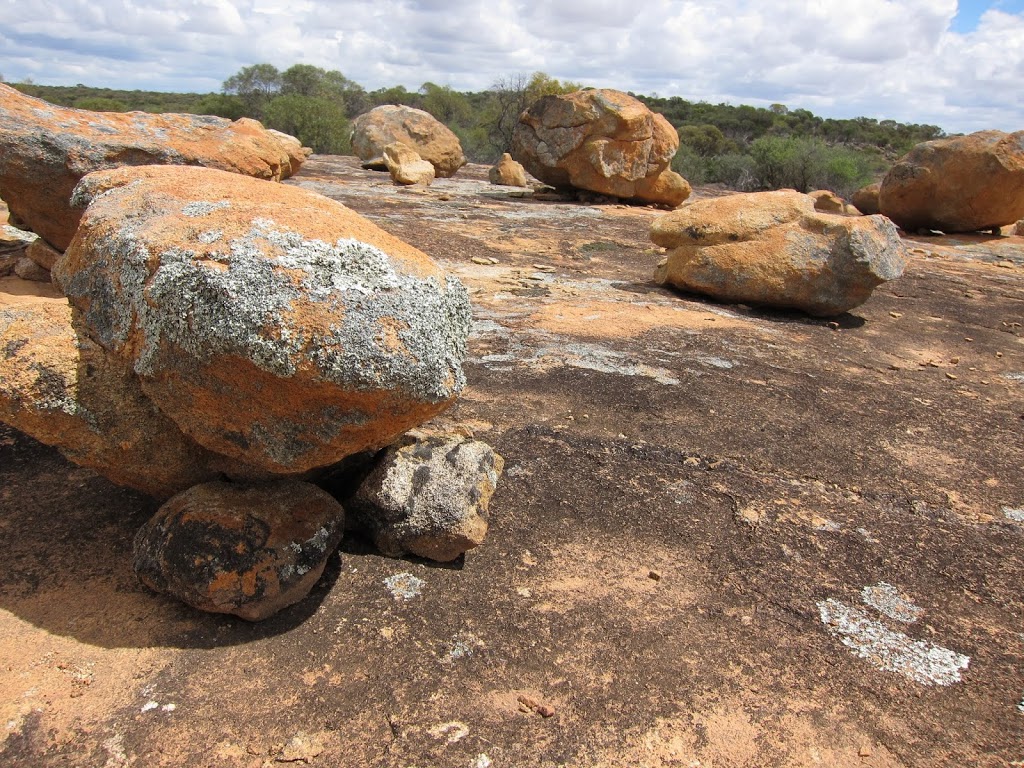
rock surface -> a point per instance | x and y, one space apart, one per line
429 497
46 149
603 141
827 201
865 199
244 549
963 184
272 325
429 137
27 269
42 253
775 249
407 167
508 172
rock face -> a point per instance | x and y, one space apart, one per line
603 141
508 172
45 150
419 130
773 248
245 549
273 326
865 199
406 167
963 184
429 497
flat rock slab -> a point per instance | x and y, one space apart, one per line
685 482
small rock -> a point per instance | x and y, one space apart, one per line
896 314
654 576
27 269
865 750
480 260
301 748
406 166
508 172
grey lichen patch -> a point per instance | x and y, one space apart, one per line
203 208
210 236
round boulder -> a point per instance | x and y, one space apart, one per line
273 325
775 249
865 199
603 141
245 549
429 137
963 184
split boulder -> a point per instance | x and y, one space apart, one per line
962 184
775 249
244 549
46 149
272 325
406 167
431 139
603 141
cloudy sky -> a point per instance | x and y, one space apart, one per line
959 65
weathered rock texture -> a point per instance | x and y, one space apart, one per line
773 248
430 138
827 201
963 184
245 549
407 167
429 497
865 199
603 141
273 326
508 172
45 150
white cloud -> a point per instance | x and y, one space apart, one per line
894 59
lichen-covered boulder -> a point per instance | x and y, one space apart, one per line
865 199
775 249
45 150
963 184
274 326
64 390
406 167
240 548
507 172
431 139
428 497
603 141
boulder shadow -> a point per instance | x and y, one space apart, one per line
844 321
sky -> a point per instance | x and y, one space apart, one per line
958 65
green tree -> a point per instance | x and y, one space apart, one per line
222 105
705 140
448 106
255 85
315 82
317 122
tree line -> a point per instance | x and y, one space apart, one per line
742 147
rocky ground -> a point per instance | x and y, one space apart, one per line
724 537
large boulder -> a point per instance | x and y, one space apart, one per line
603 141
244 549
272 325
426 135
45 150
963 184
775 249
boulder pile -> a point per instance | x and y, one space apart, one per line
45 150
431 139
775 249
603 141
963 184
224 342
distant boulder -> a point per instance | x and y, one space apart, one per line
429 137
507 172
865 199
603 141
407 167
45 150
775 249
963 184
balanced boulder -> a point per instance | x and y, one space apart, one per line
507 172
428 497
240 548
272 325
425 134
45 150
775 249
963 184
603 141
407 167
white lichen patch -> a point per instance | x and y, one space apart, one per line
202 208
887 600
404 586
921 662
1014 515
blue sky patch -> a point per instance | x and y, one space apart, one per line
969 12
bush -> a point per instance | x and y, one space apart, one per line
317 123
100 104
